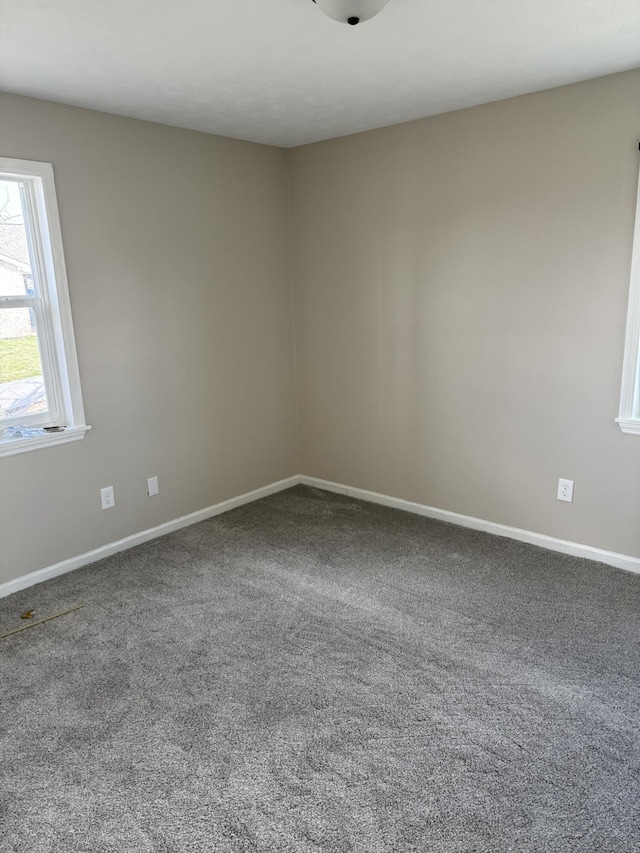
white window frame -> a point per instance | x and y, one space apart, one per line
629 418
52 309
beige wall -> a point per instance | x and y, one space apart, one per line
460 289
178 256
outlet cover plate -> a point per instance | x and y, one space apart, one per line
107 497
565 490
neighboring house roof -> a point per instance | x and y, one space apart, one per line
13 243
14 265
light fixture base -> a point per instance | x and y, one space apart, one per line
351 11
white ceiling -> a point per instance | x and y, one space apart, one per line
281 72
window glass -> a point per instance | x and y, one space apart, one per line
22 389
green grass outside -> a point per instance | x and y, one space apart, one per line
19 359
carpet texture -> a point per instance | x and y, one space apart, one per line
313 673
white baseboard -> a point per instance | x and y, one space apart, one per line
575 549
144 536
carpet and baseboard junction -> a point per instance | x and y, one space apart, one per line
310 672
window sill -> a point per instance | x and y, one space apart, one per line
10 446
629 425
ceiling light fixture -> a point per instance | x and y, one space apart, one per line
351 11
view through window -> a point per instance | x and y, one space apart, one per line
22 389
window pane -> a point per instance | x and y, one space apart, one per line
21 383
15 266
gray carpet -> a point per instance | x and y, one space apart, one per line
312 673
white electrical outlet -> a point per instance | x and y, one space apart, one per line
107 497
565 490
153 487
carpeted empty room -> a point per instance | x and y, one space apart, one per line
314 673
319 426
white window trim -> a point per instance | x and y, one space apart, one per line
629 418
47 253
12 446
